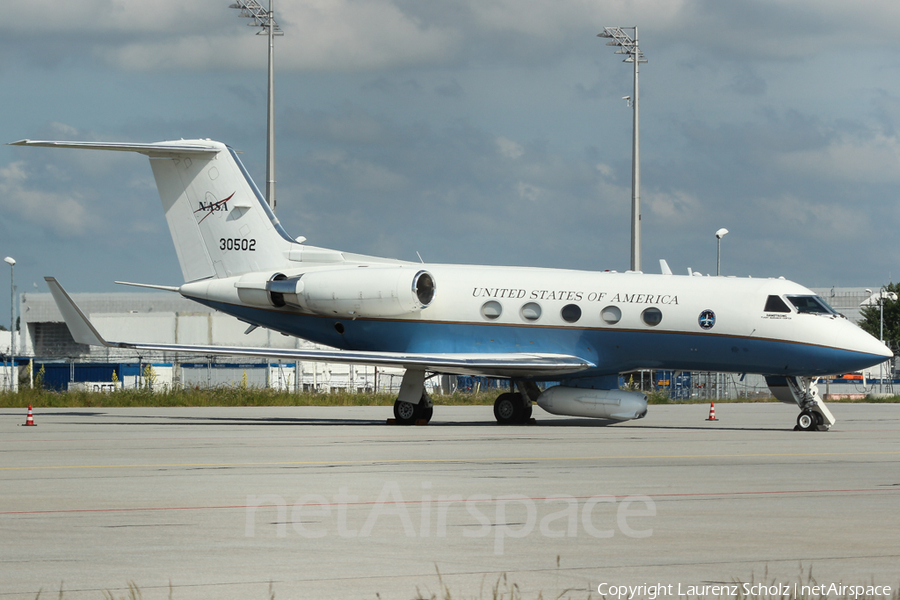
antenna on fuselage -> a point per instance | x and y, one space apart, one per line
664 267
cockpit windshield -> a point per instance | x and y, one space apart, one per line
811 305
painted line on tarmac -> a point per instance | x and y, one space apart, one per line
387 461
449 501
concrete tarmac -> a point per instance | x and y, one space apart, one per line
310 502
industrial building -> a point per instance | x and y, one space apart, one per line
167 318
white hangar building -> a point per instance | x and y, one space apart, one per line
168 318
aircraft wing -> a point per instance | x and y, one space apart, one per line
500 365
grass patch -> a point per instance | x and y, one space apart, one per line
249 396
224 396
663 398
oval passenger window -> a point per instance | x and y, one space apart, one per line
611 314
531 311
652 316
570 313
491 310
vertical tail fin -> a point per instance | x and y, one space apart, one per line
219 222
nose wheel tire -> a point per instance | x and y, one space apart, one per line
808 420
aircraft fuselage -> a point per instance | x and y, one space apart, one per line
616 321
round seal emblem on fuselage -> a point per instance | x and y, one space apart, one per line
707 319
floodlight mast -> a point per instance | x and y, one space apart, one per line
260 17
628 45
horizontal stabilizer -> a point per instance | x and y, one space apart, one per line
500 365
152 286
155 149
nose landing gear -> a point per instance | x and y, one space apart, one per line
809 420
814 415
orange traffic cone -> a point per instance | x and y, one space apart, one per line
712 412
29 420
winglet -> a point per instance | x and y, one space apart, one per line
79 326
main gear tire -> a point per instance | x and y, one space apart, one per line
506 408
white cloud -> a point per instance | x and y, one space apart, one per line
787 29
556 20
117 16
875 159
822 221
509 148
360 174
674 207
340 35
605 170
352 35
526 191
62 213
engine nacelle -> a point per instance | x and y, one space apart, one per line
618 405
372 291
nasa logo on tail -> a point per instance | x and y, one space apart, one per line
213 206
707 319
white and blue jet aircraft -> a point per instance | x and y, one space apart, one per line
580 329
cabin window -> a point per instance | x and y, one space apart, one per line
570 313
491 310
611 314
652 316
811 305
531 311
776 304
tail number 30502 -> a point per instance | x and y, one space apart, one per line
247 245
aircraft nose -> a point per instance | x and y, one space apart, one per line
853 338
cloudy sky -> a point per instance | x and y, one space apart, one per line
475 131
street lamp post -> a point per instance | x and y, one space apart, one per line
882 294
881 319
266 20
719 235
12 321
628 45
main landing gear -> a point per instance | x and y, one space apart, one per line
514 408
413 404
407 413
